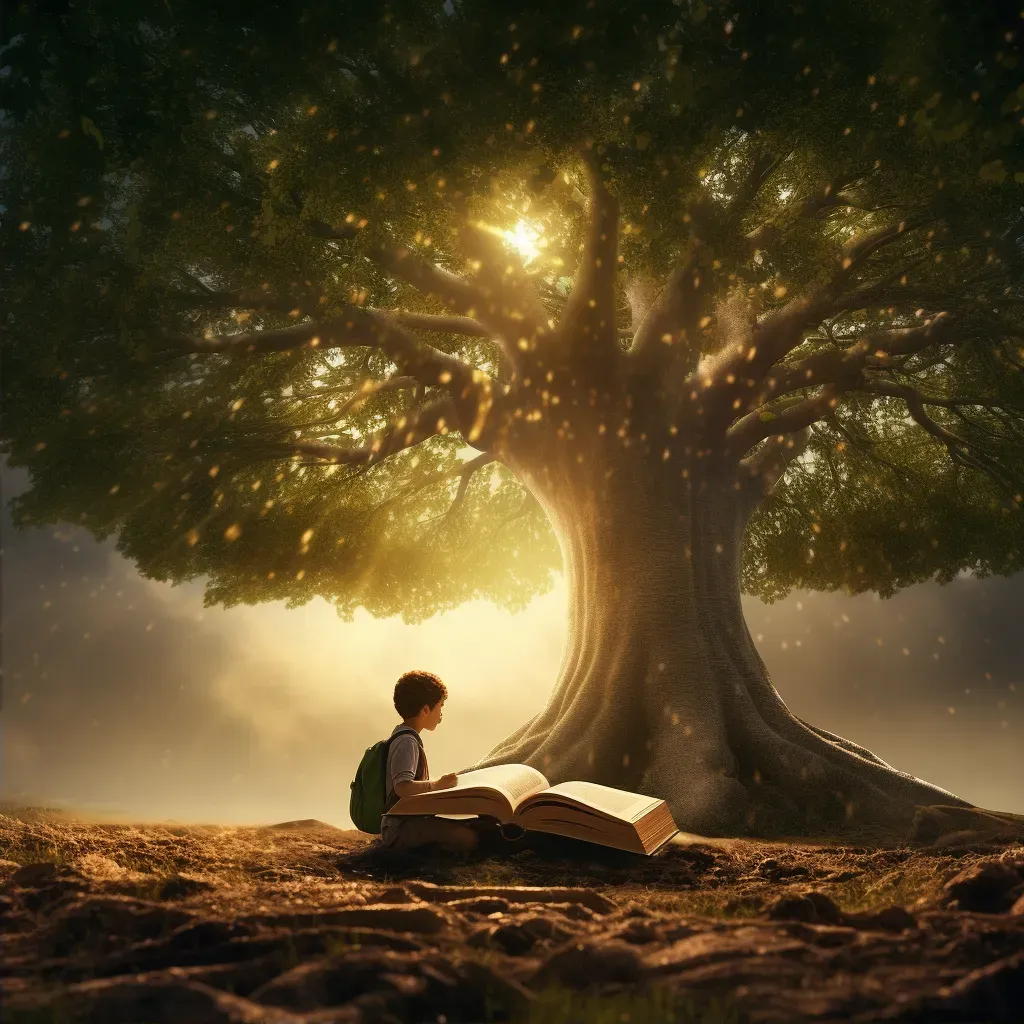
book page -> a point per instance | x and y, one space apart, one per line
515 781
616 803
495 791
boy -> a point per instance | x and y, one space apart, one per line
419 697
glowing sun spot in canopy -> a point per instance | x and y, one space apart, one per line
525 239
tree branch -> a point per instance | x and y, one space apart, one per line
672 316
369 387
759 172
751 430
465 325
506 322
960 449
844 366
768 465
321 229
434 418
465 474
358 327
589 317
438 323
783 331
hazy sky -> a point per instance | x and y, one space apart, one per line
125 697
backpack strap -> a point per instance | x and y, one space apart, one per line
391 799
401 731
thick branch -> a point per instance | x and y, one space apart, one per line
751 430
783 330
844 366
465 325
438 323
726 382
767 466
672 319
504 320
437 417
358 327
859 248
589 316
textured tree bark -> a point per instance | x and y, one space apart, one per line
661 687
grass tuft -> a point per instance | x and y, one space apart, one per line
647 1006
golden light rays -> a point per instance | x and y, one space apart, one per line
526 238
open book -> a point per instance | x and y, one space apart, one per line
580 810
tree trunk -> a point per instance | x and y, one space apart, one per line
661 689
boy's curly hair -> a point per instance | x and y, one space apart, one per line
414 689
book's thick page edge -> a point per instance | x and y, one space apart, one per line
626 840
635 847
668 839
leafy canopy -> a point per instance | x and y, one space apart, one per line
176 171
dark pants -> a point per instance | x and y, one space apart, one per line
405 833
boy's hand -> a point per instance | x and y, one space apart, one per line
446 781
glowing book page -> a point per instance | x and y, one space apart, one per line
613 803
495 791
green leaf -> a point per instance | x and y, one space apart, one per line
133 233
89 128
993 171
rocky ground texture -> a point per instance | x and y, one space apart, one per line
301 922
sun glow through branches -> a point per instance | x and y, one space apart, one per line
525 238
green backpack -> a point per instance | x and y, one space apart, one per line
368 802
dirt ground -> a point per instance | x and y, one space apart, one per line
302 922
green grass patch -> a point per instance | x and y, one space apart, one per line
905 885
647 1006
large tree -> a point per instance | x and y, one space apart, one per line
402 307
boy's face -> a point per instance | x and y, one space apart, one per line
432 715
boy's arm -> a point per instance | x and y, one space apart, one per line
411 787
